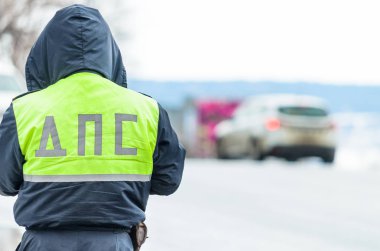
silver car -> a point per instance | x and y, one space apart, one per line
288 126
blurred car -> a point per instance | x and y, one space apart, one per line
288 126
10 86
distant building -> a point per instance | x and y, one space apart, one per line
195 122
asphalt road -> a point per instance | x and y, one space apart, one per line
274 205
246 205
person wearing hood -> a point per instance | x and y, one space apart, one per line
82 152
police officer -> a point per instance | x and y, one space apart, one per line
81 151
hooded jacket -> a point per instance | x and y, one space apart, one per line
77 40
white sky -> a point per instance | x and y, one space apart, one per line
331 41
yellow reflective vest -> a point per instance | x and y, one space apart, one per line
86 128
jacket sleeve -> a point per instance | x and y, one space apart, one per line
11 158
168 158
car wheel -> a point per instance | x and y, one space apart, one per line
219 152
255 151
291 158
329 157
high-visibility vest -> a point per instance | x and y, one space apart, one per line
86 128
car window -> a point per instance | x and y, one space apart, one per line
303 111
8 83
249 111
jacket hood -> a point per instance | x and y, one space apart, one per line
76 39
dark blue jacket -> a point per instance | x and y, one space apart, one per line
78 39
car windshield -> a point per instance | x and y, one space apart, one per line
303 111
8 83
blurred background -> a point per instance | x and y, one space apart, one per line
277 103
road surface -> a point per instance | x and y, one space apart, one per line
274 205
245 205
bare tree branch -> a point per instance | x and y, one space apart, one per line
20 22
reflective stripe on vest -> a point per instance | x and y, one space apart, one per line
86 128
